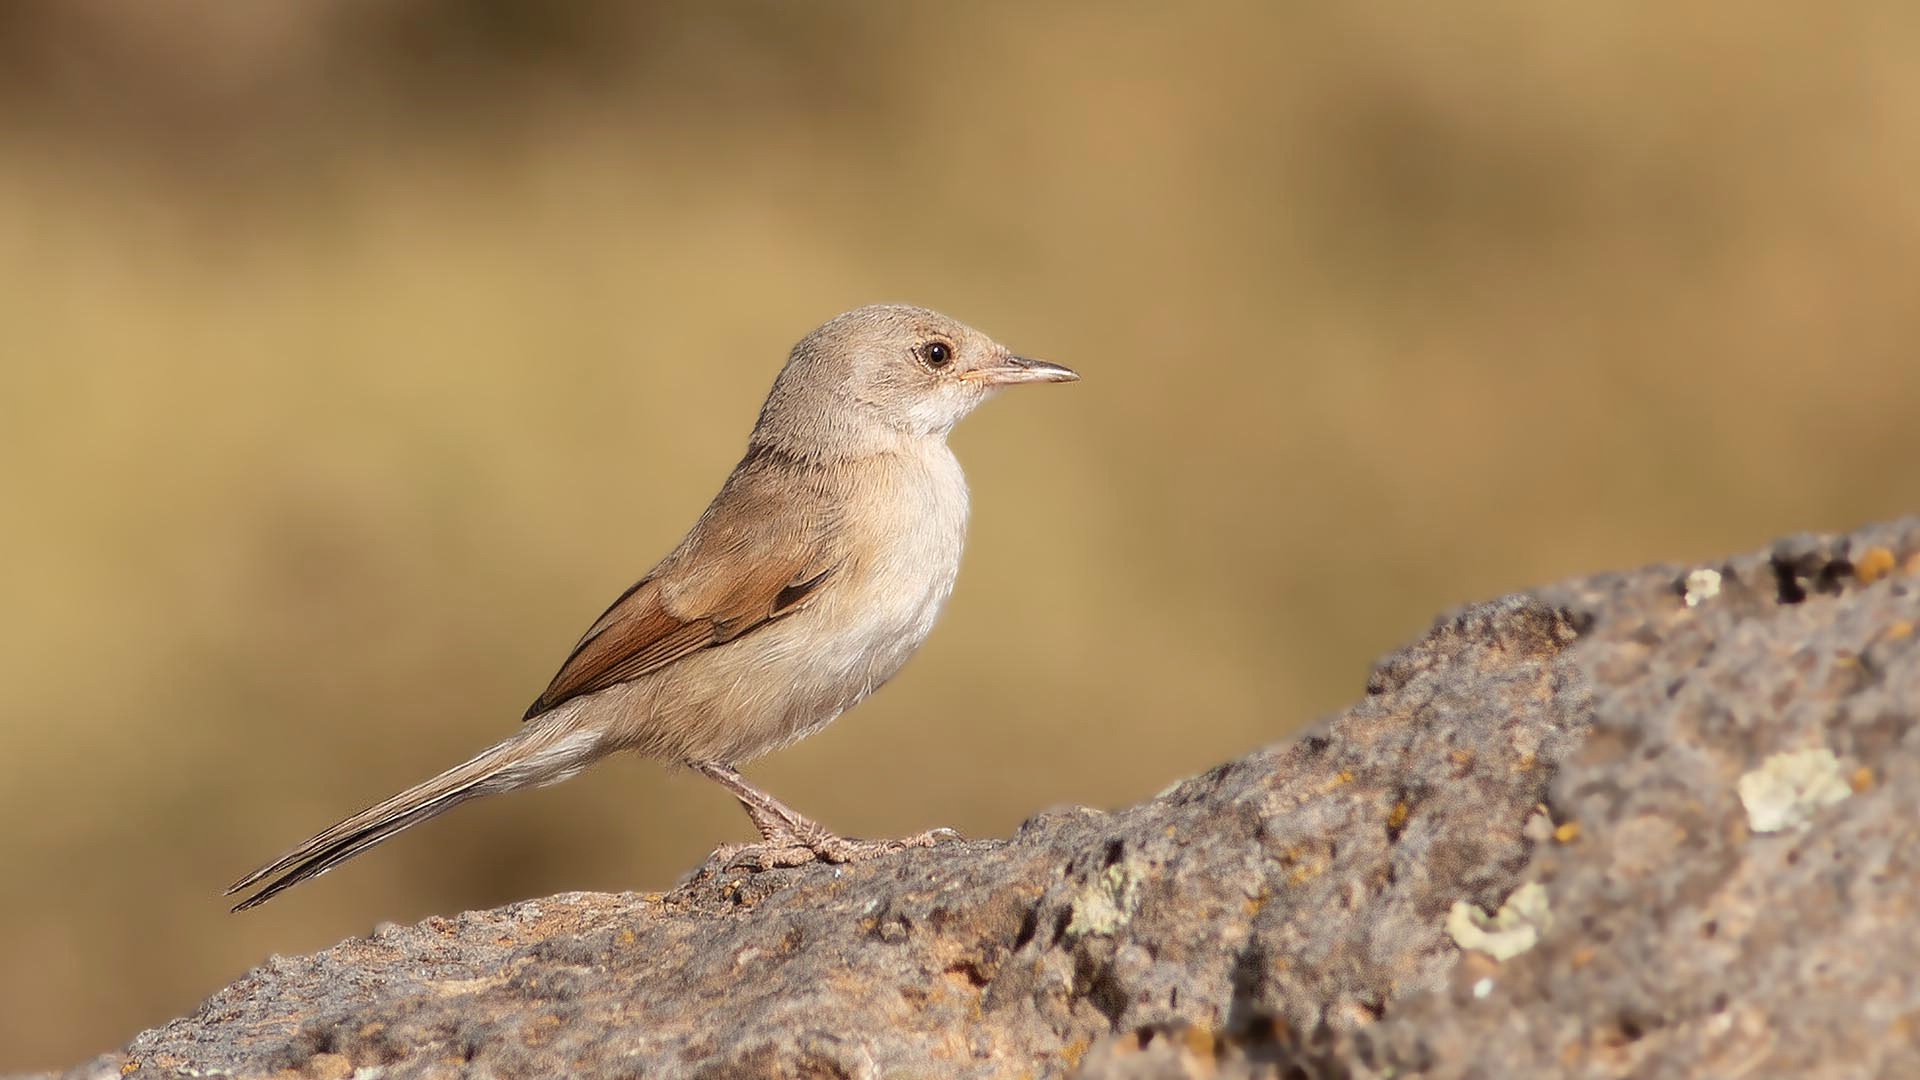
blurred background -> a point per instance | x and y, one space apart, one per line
357 354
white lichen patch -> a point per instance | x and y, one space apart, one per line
1108 902
1507 933
1702 585
1786 789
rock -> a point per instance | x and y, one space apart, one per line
1565 765
1684 942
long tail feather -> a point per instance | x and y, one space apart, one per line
534 757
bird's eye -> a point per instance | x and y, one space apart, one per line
937 354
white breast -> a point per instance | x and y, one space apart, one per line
888 599
915 562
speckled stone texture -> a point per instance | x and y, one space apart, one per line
1286 914
1683 942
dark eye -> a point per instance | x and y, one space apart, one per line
937 354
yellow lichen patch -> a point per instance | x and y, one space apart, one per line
1861 780
1701 586
1912 565
1525 763
1901 629
1507 933
627 937
1398 816
1583 956
1872 565
129 1068
1568 832
1109 901
1077 1049
1787 789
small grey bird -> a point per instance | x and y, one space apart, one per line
810 579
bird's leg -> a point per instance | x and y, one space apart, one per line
783 830
790 838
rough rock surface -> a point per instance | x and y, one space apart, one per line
1298 912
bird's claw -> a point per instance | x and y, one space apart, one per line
785 852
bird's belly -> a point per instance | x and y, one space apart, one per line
791 677
777 684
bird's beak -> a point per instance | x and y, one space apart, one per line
1018 369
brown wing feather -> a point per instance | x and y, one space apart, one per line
737 571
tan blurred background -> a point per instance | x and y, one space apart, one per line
356 354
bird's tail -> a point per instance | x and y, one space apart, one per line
539 754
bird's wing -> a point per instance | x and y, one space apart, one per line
749 561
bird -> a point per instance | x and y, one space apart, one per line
814 574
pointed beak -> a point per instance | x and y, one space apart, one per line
1018 369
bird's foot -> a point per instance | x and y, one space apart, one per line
790 838
788 849
839 849
760 856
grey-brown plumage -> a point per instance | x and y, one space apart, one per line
811 578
